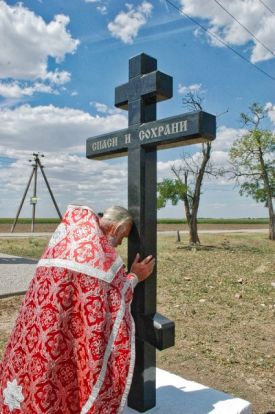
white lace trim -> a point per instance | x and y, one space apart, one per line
134 280
87 269
109 349
58 235
131 366
81 207
13 395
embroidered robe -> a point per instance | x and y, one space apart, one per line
72 348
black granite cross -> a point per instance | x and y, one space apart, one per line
139 96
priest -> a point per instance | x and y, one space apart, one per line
72 348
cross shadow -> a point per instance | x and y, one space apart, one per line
16 260
202 401
183 400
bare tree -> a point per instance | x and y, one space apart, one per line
187 185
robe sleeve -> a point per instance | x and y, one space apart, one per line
133 278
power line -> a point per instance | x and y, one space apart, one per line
244 27
266 6
220 40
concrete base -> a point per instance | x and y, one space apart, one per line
176 395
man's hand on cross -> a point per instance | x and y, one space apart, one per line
143 268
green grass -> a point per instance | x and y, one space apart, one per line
217 221
160 221
32 247
29 220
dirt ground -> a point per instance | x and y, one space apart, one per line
25 228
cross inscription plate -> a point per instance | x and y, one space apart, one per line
140 140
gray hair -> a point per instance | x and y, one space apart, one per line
118 214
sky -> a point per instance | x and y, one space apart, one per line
61 60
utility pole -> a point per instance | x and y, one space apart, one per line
36 164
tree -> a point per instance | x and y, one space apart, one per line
253 161
189 178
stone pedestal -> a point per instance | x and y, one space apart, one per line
175 395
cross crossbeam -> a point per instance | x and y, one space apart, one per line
170 132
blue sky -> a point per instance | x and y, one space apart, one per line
60 62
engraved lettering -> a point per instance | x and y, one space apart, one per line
141 135
167 130
154 132
147 134
183 125
175 127
163 130
104 144
127 138
160 130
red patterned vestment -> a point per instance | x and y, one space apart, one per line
72 348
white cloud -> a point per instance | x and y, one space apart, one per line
182 90
219 159
271 111
17 89
59 133
28 41
105 109
14 90
251 14
73 179
225 138
127 24
58 77
48 128
102 9
100 107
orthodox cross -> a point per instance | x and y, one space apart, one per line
146 87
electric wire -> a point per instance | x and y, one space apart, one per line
244 27
267 7
220 40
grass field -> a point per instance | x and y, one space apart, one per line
222 300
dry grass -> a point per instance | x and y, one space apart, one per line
223 304
222 301
31 247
